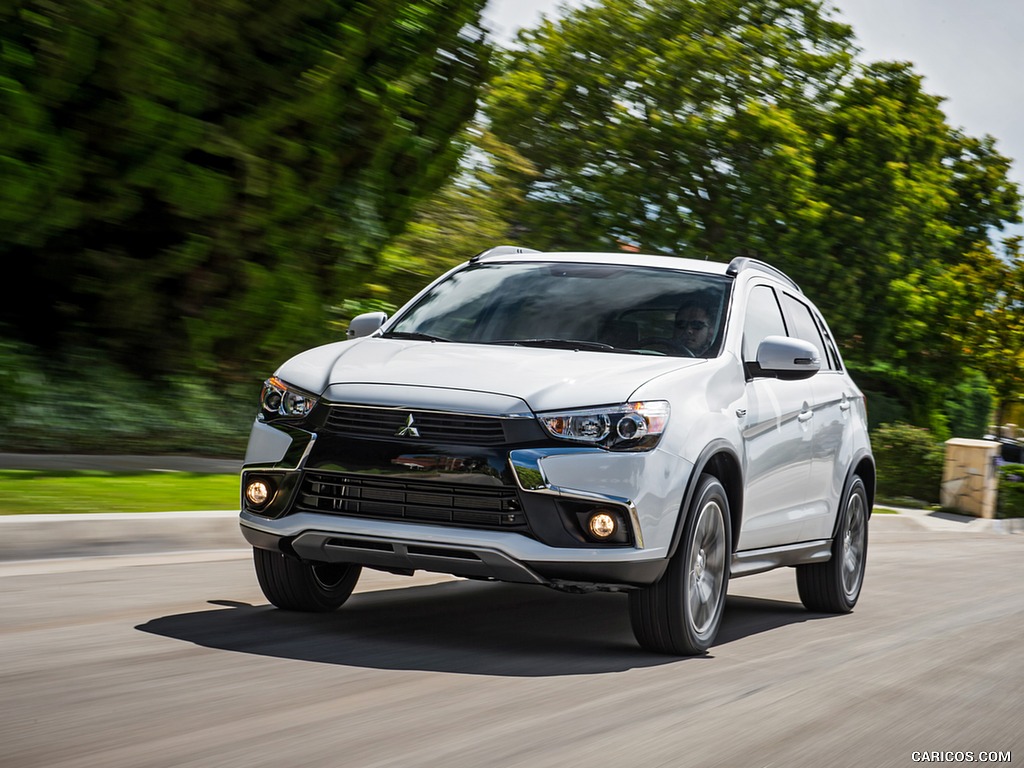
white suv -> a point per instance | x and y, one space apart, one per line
584 421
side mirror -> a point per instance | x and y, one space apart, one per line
784 358
365 324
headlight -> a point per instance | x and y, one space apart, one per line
279 399
627 427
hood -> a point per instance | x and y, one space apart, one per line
546 379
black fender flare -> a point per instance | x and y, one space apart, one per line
869 484
734 489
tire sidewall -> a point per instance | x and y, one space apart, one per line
857 488
710 490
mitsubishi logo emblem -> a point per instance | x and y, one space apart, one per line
408 430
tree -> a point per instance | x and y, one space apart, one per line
909 258
909 198
190 184
720 128
674 126
472 211
998 340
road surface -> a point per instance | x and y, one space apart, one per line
177 660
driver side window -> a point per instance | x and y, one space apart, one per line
763 318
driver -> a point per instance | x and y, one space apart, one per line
693 328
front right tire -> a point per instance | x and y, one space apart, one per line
294 585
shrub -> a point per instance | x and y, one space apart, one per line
1011 491
85 404
969 406
909 462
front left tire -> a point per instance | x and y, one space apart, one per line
294 585
834 586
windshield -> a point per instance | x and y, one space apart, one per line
613 308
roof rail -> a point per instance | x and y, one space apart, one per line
741 263
502 250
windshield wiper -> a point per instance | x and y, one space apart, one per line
415 335
595 346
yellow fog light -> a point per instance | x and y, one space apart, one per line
257 492
602 525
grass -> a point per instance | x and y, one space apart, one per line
25 492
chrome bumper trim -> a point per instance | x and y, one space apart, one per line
529 473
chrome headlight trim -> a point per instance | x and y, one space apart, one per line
633 426
280 400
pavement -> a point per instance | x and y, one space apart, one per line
39 537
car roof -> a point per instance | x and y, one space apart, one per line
514 254
586 257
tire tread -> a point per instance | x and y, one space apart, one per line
820 585
290 585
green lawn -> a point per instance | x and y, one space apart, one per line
24 492
27 492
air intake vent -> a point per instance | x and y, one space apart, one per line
462 504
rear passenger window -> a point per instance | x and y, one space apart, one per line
763 318
805 326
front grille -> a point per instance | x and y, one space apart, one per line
421 501
427 426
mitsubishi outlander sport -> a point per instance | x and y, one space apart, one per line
582 421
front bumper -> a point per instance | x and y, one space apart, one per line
402 549
370 515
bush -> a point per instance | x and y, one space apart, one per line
969 406
84 404
909 462
884 409
1011 491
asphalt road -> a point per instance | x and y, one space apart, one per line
177 660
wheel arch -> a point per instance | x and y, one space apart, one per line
719 459
862 466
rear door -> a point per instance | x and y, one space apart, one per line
777 437
832 396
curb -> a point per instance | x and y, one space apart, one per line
947 521
39 537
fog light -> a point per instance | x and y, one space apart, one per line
602 525
257 492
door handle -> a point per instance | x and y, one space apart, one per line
844 404
805 415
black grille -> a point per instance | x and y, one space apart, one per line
431 427
413 500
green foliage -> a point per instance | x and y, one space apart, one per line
969 406
650 124
718 128
882 408
472 211
997 334
1010 500
85 405
190 185
909 462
